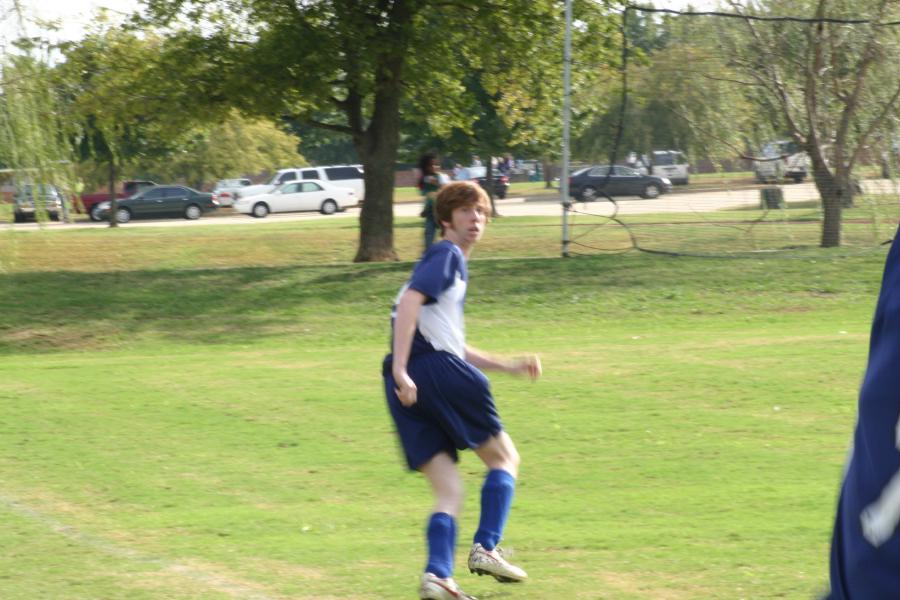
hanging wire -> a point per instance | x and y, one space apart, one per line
747 227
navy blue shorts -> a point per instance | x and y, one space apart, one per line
454 408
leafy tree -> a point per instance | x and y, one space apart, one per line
831 86
135 97
139 113
513 101
349 67
236 147
323 146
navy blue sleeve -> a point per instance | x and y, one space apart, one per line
435 272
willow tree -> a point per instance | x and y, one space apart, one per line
33 142
679 94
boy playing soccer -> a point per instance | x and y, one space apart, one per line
441 402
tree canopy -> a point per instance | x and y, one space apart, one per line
357 68
134 108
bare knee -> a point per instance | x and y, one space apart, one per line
514 460
499 452
510 461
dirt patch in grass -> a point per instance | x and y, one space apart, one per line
286 570
636 583
55 338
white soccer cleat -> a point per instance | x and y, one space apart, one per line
435 588
491 562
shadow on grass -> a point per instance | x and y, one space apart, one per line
49 311
64 311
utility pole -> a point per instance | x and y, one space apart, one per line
567 109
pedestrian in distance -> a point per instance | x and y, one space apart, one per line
430 181
441 402
505 164
865 545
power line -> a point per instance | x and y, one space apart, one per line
744 16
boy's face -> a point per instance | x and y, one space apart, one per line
467 225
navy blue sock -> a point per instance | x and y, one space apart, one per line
441 545
496 498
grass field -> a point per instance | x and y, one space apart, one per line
197 414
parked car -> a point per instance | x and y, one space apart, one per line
349 176
298 196
780 160
29 199
671 164
162 201
591 182
226 190
89 202
479 174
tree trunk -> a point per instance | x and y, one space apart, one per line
548 173
376 220
833 193
377 146
837 191
113 199
378 149
489 183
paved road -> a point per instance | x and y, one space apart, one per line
698 201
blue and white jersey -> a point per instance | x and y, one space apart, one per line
441 275
865 548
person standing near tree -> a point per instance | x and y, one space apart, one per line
430 181
441 402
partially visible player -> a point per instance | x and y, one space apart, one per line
441 402
865 547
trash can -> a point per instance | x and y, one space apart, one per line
771 197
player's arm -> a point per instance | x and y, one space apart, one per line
408 309
524 365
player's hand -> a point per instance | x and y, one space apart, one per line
528 365
406 389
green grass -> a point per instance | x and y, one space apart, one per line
720 177
197 413
723 233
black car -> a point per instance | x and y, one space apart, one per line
162 201
592 183
501 185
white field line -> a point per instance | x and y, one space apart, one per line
210 580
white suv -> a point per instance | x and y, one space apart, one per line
348 176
